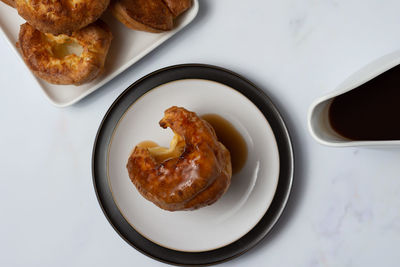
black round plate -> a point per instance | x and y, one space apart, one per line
127 98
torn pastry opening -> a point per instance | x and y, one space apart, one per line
62 46
161 154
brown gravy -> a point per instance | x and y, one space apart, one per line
230 138
371 111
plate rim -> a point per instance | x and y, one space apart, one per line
286 168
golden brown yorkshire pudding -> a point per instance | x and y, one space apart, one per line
195 172
64 59
9 2
60 16
143 15
177 7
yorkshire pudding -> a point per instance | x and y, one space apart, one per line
143 15
64 59
60 16
195 172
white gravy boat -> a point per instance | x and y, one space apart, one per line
318 116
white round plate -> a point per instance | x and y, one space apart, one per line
251 190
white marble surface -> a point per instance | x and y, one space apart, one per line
345 205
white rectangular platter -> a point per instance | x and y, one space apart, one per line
127 47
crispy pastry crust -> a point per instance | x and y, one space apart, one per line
143 15
60 16
39 52
199 177
177 7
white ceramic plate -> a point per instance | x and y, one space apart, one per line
256 197
127 47
251 190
